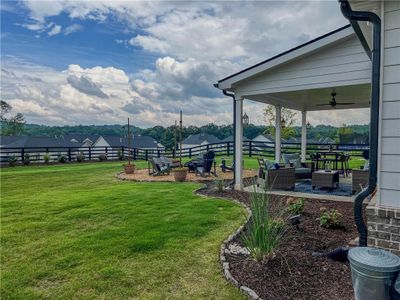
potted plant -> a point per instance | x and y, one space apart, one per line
130 167
181 172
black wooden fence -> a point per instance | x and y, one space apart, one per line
250 148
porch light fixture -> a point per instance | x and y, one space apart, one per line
283 123
245 119
308 125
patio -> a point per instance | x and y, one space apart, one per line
331 72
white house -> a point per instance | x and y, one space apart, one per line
339 70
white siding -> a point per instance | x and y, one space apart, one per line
344 63
390 117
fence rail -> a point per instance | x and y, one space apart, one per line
250 148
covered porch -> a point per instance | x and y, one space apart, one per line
331 72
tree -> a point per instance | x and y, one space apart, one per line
288 117
13 125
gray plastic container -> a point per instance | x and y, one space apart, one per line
373 272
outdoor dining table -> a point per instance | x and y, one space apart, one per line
324 153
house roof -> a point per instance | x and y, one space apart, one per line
197 139
265 62
80 138
138 141
230 139
34 142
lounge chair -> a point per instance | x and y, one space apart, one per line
170 162
158 167
269 177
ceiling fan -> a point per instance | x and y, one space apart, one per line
333 102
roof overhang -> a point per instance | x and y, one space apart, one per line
304 77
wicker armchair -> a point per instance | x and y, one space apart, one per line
359 179
277 179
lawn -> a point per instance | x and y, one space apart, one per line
74 231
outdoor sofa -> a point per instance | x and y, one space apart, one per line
302 170
275 176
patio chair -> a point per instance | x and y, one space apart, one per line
225 167
170 162
205 166
191 165
158 167
303 170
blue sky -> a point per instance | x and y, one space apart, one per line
98 62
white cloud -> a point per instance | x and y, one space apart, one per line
72 28
197 43
55 30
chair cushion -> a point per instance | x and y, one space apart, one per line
288 157
295 162
302 170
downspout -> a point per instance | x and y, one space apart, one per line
234 128
374 113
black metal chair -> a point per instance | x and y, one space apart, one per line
225 167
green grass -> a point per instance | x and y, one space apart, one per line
74 231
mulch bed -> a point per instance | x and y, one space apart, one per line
294 273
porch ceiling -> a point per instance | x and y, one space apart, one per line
309 100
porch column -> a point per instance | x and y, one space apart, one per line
238 143
303 135
278 125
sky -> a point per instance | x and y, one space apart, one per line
99 62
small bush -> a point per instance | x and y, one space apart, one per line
27 159
62 158
46 158
120 154
265 229
219 184
296 207
12 160
80 157
331 219
103 156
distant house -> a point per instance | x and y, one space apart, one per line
84 140
138 141
200 139
266 139
230 139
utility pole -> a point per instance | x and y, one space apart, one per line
175 139
180 137
129 143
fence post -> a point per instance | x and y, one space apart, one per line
69 154
190 152
90 153
173 153
208 147
122 152
227 148
158 152
146 155
250 148
22 154
134 153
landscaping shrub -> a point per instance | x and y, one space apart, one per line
219 184
120 154
296 207
265 229
331 219
12 160
62 158
80 157
103 156
46 158
27 159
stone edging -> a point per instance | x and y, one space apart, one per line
224 247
